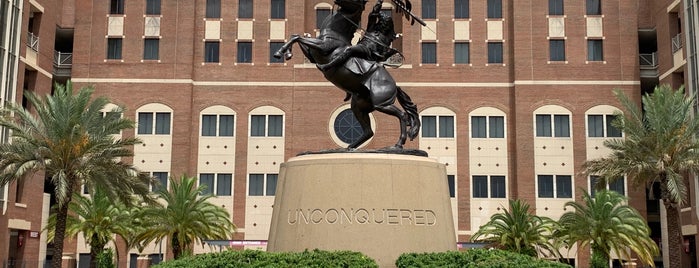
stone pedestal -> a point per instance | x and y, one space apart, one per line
382 205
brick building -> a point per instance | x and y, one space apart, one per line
514 97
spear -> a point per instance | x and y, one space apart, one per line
405 7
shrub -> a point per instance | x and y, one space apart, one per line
105 259
482 258
257 258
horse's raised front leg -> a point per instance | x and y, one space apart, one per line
285 48
309 42
394 111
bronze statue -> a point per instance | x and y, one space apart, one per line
355 69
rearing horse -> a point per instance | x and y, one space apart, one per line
368 83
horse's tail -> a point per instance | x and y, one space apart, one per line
411 110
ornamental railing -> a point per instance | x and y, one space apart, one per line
648 60
33 42
677 42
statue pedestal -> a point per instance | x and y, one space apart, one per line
382 205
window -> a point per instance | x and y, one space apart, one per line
223 184
497 187
429 9
556 7
557 50
116 7
160 181
429 52
211 123
561 125
346 127
114 48
213 9
451 182
244 52
150 48
497 126
245 9
545 183
211 51
152 7
216 183
595 50
271 186
593 7
480 186
618 185
206 179
273 47
266 125
493 125
278 9
461 10
145 123
262 184
437 126
478 127
162 123
561 187
461 53
495 52
599 125
321 14
494 9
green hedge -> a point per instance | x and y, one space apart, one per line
482 258
257 258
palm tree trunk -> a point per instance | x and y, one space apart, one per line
599 258
95 249
61 216
176 247
674 234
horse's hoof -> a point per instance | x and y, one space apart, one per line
277 55
288 56
351 149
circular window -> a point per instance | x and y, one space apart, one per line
344 127
347 127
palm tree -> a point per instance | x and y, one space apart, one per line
607 224
659 146
98 218
519 231
185 218
69 139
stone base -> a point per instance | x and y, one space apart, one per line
382 205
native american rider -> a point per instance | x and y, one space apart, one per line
376 43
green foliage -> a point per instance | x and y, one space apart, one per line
68 137
599 260
518 230
105 259
185 217
607 224
482 258
257 258
659 146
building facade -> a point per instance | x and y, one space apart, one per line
514 96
